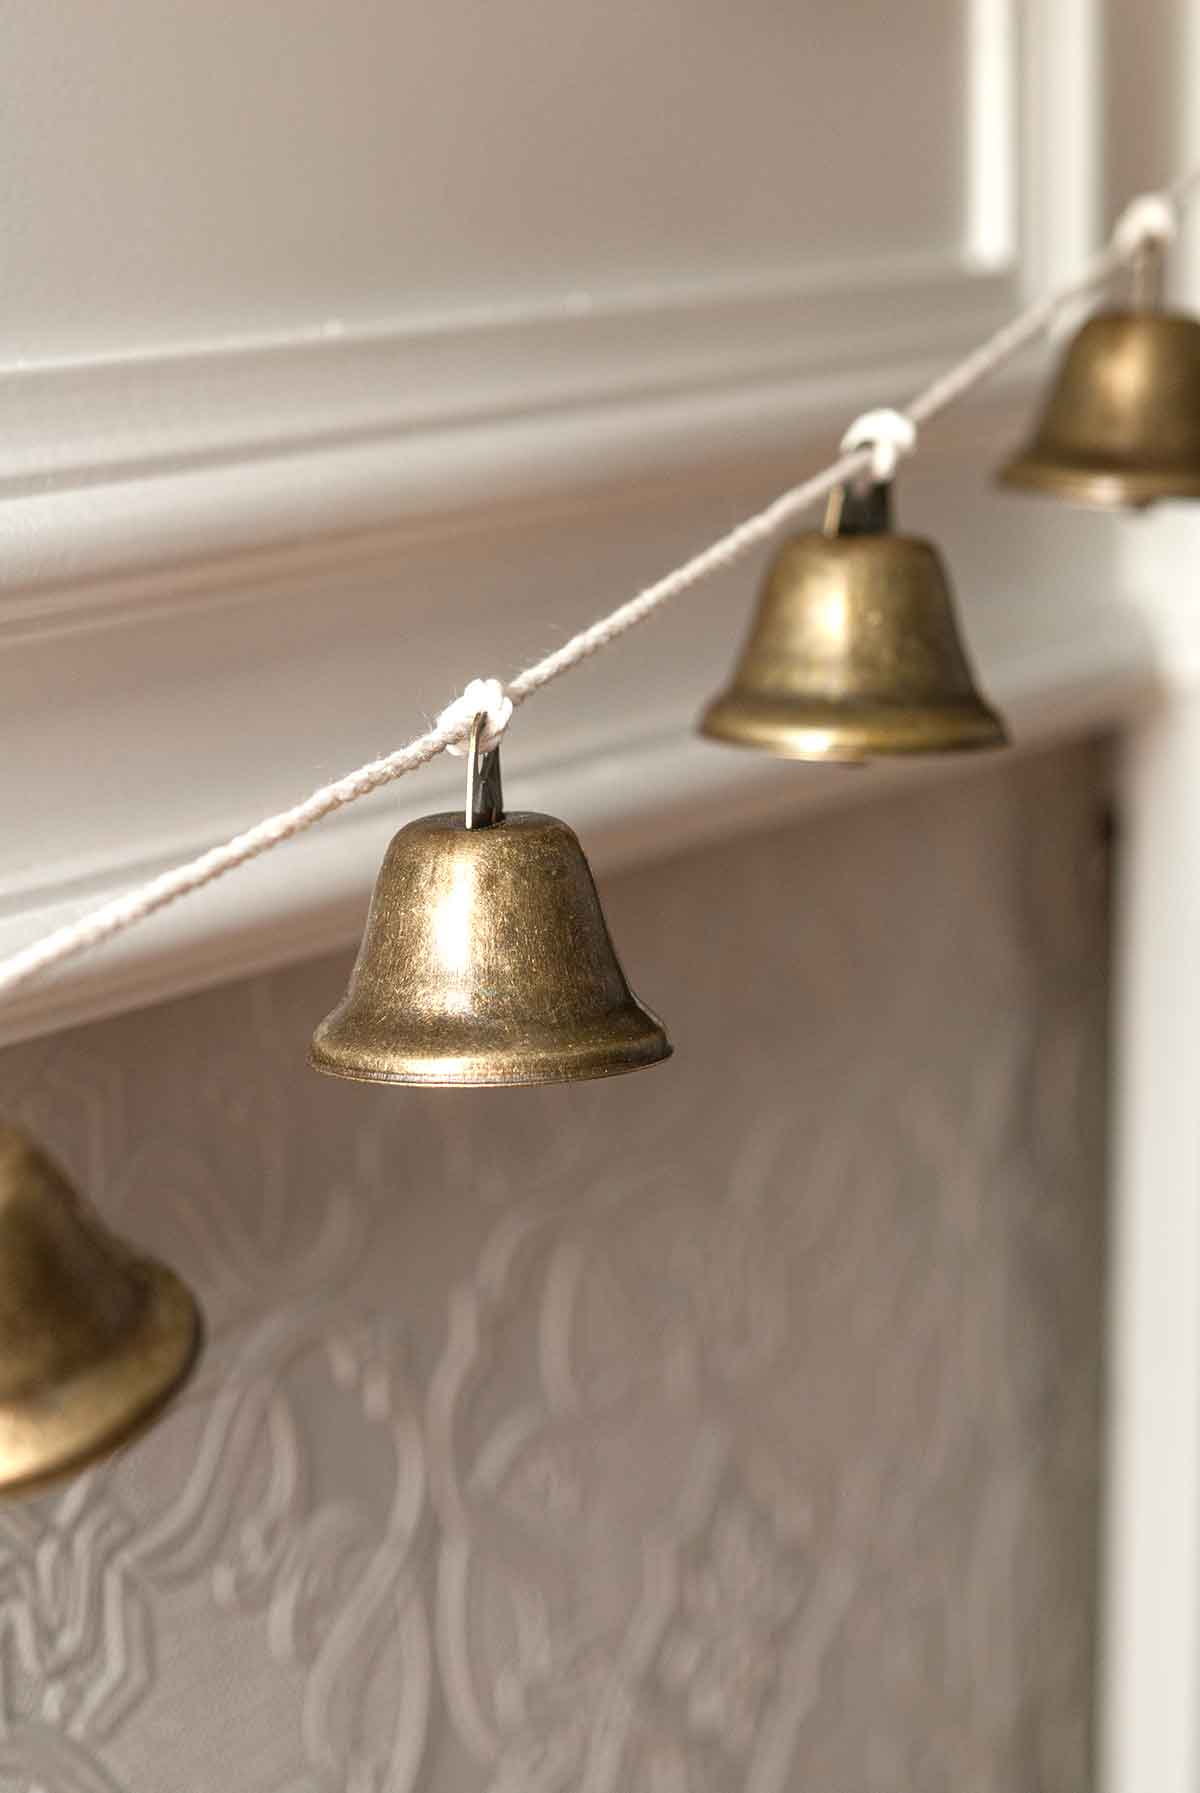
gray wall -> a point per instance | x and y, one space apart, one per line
727 1429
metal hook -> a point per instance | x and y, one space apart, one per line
854 510
485 795
1148 269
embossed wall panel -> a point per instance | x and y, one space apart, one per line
728 1429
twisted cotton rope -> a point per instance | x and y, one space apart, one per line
872 445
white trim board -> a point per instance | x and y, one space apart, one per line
112 418
136 481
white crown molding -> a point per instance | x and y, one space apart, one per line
113 418
137 482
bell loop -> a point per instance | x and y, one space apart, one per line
486 695
889 434
1151 217
1142 234
485 795
860 510
1147 274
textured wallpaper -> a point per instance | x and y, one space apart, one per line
729 1428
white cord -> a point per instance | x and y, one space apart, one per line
883 442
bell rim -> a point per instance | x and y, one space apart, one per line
539 1069
91 1413
832 733
1098 488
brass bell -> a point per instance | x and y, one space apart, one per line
1122 423
93 1339
854 651
486 959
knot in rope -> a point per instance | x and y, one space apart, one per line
888 434
1149 220
482 697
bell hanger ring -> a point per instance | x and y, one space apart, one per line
859 508
485 794
1143 231
1148 275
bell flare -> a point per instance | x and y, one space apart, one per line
94 1340
851 733
854 654
1121 426
486 961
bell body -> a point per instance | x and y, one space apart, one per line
1122 423
93 1340
486 960
854 652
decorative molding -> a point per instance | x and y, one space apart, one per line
138 416
1058 138
133 484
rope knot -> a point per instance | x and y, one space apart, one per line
482 697
1148 221
888 434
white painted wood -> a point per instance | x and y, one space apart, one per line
993 137
1150 1733
1150 1647
1062 135
120 468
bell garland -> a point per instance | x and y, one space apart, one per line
467 977
486 959
1127 433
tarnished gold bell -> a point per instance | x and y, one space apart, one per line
1122 423
93 1339
854 650
486 959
